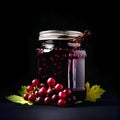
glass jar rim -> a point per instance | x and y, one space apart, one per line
59 34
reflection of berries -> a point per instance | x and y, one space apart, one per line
74 98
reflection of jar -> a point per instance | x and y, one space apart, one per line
61 57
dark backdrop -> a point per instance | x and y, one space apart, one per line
22 23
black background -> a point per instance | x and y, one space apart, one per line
21 24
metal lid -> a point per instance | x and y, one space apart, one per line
59 34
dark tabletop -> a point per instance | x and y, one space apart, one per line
106 108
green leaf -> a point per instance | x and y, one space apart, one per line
94 92
23 90
78 102
18 99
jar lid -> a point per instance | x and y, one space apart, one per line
59 34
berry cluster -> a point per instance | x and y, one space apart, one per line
48 93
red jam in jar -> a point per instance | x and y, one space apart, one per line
60 56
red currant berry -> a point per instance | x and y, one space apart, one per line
54 98
49 91
39 100
39 69
30 88
36 93
42 91
61 103
47 100
61 95
59 87
67 91
25 96
35 82
42 85
51 82
31 97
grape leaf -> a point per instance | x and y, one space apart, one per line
18 99
23 90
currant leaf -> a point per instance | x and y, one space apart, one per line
18 99
78 102
23 90
94 92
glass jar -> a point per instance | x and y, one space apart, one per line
60 56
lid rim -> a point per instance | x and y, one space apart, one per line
57 34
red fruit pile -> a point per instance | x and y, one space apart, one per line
48 93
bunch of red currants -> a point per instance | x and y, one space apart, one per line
48 93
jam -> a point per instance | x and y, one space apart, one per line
60 56
53 64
